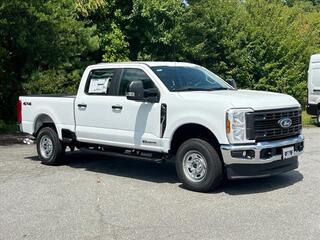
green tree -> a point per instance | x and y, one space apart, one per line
280 42
153 29
264 44
37 38
214 35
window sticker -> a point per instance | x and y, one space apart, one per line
99 85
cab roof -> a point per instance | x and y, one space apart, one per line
152 64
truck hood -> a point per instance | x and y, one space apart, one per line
257 100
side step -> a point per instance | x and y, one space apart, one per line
133 154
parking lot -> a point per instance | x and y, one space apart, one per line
101 196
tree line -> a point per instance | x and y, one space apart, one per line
263 44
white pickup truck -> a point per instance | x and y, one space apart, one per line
170 110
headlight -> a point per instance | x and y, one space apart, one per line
236 125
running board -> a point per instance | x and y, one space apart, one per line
135 154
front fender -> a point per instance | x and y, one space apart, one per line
216 125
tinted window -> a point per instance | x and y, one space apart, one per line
99 81
189 78
134 74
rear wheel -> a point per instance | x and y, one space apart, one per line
49 147
198 165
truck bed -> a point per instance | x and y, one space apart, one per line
54 95
58 108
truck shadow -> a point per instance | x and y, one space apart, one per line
11 139
260 185
129 167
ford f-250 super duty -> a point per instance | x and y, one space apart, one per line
170 110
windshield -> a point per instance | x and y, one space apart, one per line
189 78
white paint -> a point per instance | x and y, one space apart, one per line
314 80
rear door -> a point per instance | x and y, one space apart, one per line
314 82
94 111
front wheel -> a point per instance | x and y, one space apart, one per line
198 165
49 147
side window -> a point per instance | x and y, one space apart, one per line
134 74
99 81
316 77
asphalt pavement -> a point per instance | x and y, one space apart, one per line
101 196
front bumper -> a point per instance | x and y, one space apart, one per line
263 159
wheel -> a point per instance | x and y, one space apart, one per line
318 119
49 147
198 165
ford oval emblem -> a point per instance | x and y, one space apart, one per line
285 122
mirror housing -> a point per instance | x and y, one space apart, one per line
136 92
232 82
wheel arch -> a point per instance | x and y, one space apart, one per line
43 120
193 130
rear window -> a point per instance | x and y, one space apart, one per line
99 81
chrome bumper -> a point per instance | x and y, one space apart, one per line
257 148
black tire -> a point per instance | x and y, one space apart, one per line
214 173
49 136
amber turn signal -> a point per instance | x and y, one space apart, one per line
228 128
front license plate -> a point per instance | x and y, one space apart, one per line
287 152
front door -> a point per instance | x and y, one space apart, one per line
105 116
139 121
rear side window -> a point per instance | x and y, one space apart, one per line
316 77
134 74
99 81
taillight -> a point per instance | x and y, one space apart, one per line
19 111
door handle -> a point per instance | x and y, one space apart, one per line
117 107
82 105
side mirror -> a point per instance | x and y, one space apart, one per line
137 92
232 82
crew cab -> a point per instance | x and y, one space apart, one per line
169 110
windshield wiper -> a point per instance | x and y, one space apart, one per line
197 89
222 88
191 89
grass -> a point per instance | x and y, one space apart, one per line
8 127
308 120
